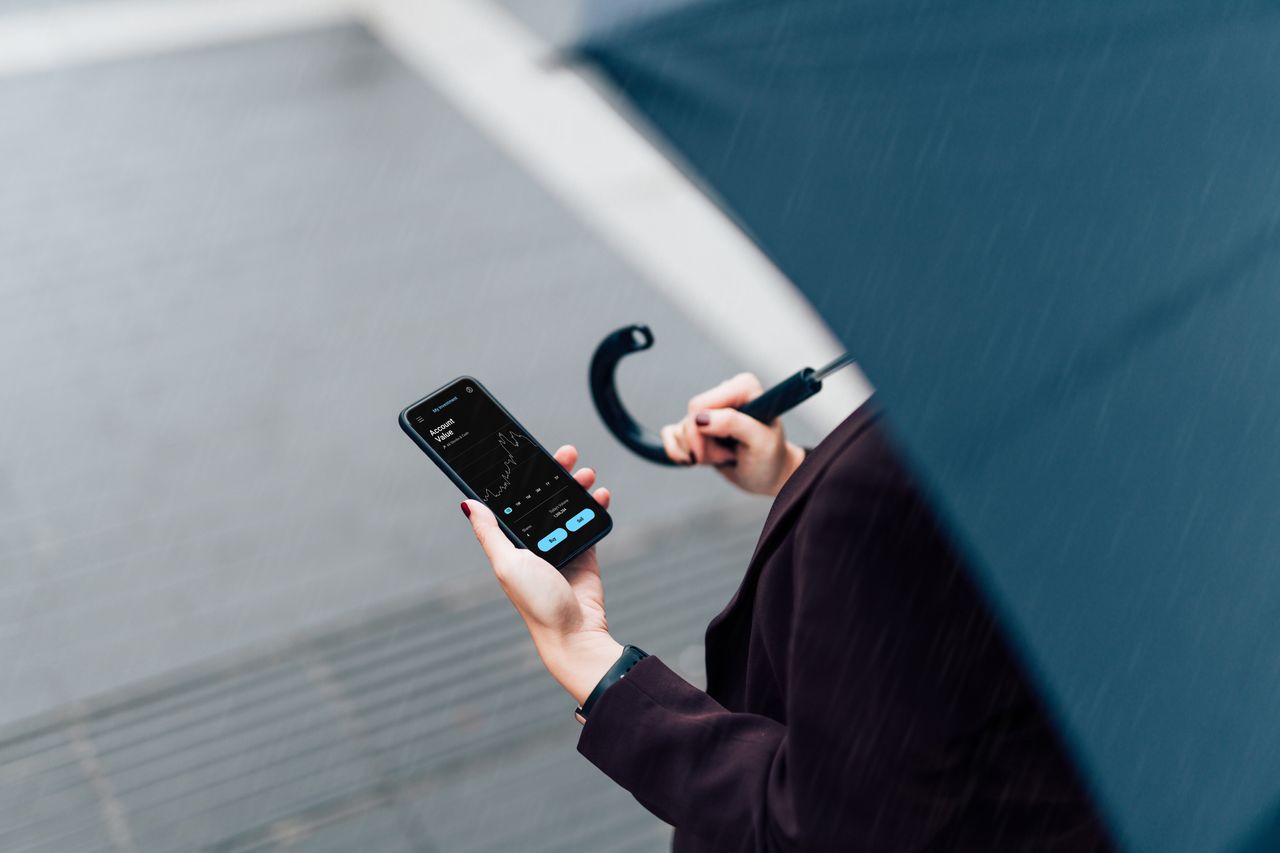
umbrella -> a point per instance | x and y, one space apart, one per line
1050 234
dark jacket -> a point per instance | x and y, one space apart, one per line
859 694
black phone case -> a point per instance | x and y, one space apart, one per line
466 490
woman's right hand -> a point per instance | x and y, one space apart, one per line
759 463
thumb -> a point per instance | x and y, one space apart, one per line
485 526
731 423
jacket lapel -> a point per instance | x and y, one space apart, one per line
781 519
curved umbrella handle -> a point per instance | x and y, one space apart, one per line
644 442
604 392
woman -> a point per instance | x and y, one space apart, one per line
859 696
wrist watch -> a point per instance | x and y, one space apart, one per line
630 657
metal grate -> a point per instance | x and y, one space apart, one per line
431 727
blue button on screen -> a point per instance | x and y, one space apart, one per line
552 539
580 519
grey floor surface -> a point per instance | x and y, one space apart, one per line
425 727
218 294
224 272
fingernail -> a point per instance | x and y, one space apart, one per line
702 418
466 510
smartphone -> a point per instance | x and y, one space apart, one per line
479 445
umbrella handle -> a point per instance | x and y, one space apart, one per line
604 392
786 395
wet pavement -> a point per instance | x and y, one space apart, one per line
423 727
238 608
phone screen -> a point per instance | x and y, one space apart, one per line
508 470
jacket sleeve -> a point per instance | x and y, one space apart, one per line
876 675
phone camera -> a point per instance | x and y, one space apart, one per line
469 389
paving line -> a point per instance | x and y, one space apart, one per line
406 713
566 134
544 115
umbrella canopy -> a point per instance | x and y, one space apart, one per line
1050 233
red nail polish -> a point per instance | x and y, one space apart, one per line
702 419
466 510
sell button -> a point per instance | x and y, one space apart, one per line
580 519
552 539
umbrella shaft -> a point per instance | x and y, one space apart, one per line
826 370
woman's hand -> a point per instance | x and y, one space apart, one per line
564 611
762 460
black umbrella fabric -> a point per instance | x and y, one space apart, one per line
1050 233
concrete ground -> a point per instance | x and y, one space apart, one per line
226 269
219 295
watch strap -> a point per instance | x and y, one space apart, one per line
631 655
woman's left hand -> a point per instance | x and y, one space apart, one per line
563 610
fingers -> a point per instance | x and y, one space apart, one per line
602 497
733 424
674 443
719 455
692 439
494 542
729 394
567 456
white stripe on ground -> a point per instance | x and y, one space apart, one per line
565 134
551 121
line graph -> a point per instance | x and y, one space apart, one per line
508 440
508 470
